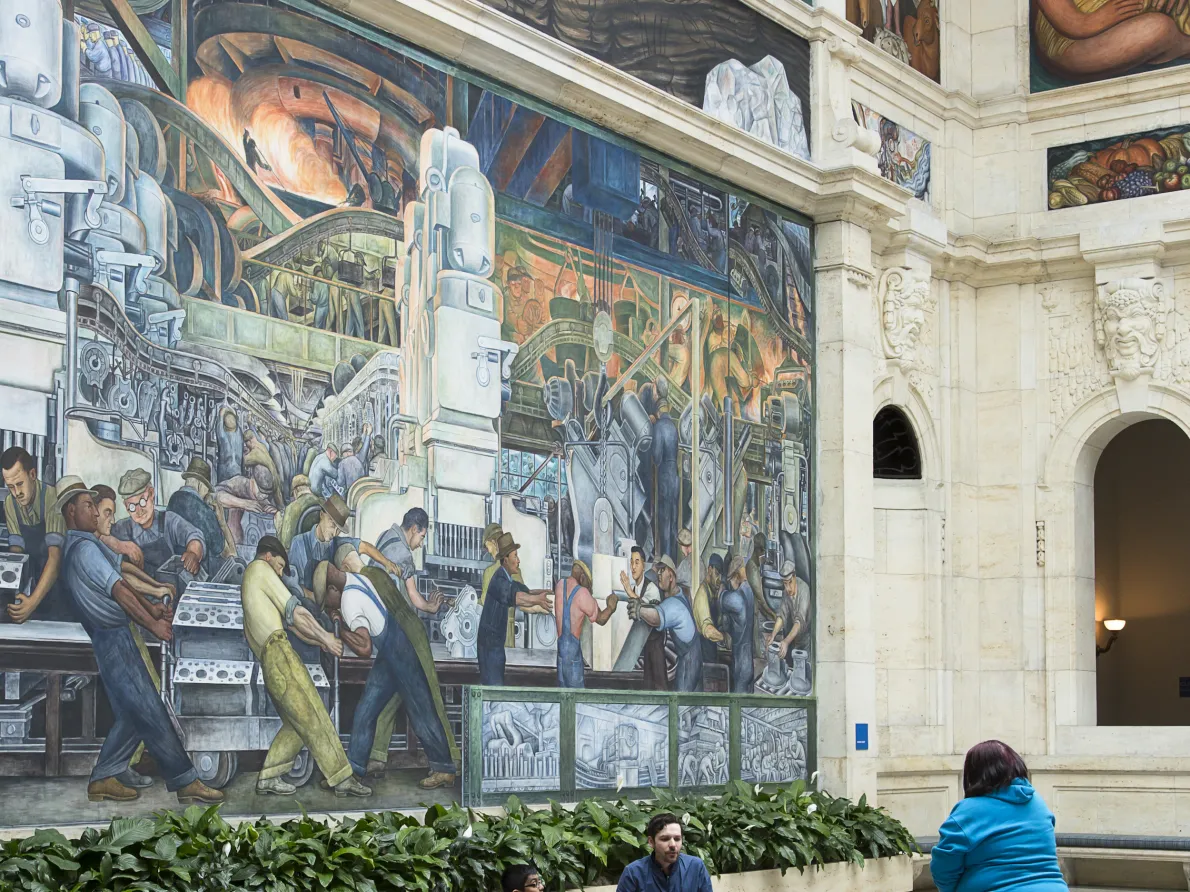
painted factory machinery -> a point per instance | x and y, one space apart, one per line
322 294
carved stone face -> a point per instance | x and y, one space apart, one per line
904 317
1130 327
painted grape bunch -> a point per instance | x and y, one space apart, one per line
1135 184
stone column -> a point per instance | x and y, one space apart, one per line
845 634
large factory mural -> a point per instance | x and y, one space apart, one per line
337 383
1079 41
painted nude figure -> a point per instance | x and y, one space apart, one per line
1088 39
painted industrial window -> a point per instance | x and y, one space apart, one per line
895 455
516 468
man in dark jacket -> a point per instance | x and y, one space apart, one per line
504 594
666 869
195 503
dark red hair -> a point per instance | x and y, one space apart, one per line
991 766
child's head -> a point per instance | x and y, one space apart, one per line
521 878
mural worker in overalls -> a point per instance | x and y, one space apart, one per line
574 605
160 535
104 602
737 617
307 550
35 532
397 544
491 539
504 594
269 609
377 622
674 614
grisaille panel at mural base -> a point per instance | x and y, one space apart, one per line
1151 35
333 339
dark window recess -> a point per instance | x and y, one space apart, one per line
297 92
895 455
1184 686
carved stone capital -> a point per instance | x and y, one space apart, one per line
903 303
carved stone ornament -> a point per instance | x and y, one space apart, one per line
1130 325
903 303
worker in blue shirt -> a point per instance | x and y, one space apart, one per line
666 869
104 603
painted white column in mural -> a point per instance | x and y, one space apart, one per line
845 637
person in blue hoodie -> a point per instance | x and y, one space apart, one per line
665 868
1001 835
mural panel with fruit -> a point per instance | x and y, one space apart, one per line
1122 167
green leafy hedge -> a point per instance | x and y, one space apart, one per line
453 850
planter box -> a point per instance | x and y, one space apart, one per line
877 875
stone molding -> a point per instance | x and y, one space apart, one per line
471 34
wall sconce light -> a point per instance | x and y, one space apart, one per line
1115 626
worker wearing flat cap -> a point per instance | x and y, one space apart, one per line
791 629
737 618
675 615
160 535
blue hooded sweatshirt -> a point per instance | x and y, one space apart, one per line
1001 841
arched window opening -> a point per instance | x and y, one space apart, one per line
895 455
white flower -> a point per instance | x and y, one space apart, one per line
811 809
814 778
758 789
686 819
619 782
226 849
467 834
708 829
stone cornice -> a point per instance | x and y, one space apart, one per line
981 263
471 34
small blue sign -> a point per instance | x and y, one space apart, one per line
861 737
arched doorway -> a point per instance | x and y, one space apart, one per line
1142 575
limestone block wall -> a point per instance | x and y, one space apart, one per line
983 572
